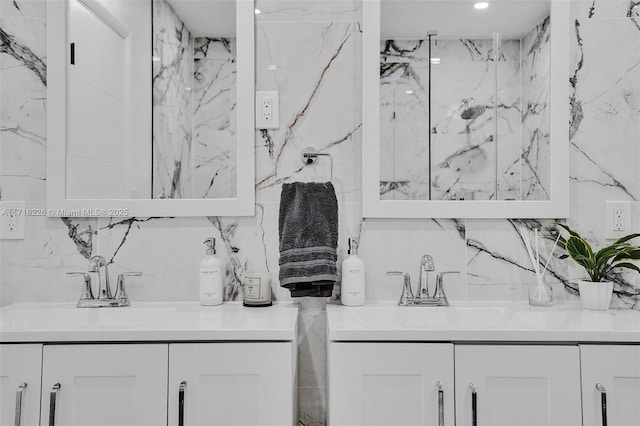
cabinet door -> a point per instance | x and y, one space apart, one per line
390 383
518 385
20 365
109 384
231 383
617 369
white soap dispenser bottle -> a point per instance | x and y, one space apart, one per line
352 288
211 288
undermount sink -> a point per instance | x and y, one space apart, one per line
430 317
56 316
478 321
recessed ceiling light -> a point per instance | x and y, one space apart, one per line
155 58
408 92
481 5
435 60
256 11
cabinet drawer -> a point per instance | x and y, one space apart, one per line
20 364
390 383
114 384
617 369
231 383
518 385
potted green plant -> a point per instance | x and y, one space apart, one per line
596 292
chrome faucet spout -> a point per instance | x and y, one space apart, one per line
426 266
99 264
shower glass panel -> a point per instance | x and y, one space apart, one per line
486 96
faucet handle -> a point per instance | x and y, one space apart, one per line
121 291
87 294
407 293
439 293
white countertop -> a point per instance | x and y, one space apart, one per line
180 321
486 322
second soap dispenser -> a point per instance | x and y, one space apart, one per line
352 287
211 286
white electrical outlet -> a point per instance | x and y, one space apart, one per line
617 219
267 110
12 215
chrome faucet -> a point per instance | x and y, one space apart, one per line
105 297
99 264
426 266
423 298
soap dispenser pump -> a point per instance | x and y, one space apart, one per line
211 288
352 287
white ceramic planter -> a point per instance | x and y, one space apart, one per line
595 295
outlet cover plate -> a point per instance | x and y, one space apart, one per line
611 209
267 110
12 215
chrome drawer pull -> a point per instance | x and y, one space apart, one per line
440 403
474 404
603 402
19 394
52 404
183 387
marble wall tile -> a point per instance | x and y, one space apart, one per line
314 67
172 104
33 269
309 10
213 169
603 9
605 113
23 96
536 119
23 9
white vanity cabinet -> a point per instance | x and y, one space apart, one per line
617 369
526 365
20 371
89 367
517 385
245 383
104 384
390 384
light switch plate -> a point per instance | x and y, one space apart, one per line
267 110
12 215
617 222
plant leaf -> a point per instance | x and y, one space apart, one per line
627 265
626 238
633 254
580 252
569 230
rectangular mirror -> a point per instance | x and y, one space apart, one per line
465 109
150 108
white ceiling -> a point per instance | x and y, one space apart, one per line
411 19
207 18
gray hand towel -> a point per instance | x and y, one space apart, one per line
308 238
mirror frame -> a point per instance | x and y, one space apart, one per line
57 203
558 204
